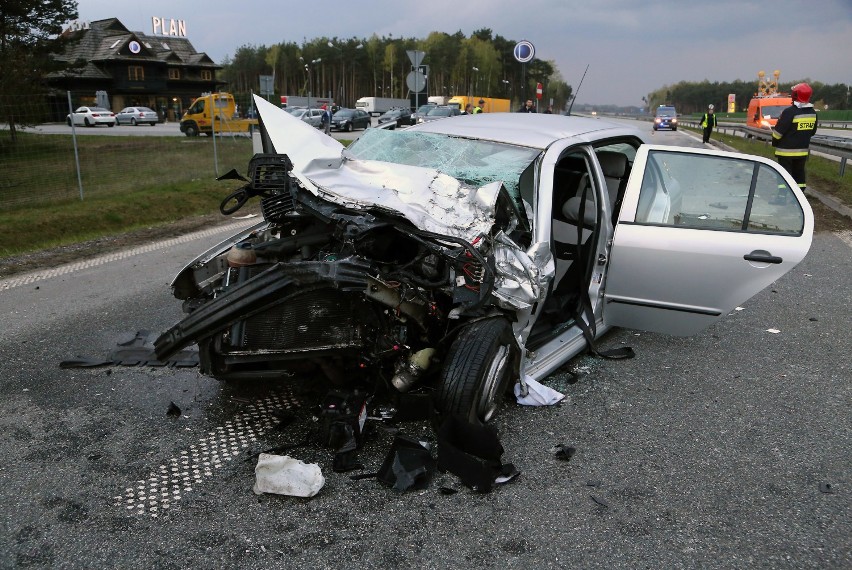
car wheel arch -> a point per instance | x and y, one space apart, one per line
482 359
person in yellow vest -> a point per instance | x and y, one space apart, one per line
478 109
708 121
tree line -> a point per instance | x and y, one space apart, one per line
347 69
692 97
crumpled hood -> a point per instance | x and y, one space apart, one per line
431 200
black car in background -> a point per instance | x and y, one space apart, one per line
349 119
402 117
421 112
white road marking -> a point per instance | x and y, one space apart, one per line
168 484
33 277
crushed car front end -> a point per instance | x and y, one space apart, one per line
369 268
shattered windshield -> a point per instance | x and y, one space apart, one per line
474 162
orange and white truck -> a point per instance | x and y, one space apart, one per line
214 112
766 105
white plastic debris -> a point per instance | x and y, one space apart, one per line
538 395
773 331
284 475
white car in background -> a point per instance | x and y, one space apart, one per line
459 257
91 116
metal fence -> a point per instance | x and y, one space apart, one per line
42 160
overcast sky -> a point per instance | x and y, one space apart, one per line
632 47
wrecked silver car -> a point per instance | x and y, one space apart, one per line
466 256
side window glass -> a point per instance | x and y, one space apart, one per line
774 208
719 193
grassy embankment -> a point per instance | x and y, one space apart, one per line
128 183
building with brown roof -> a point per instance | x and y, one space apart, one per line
129 68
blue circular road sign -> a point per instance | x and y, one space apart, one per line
524 51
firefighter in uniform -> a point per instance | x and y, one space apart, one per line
792 134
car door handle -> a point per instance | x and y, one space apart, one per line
762 257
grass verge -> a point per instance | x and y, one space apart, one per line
823 174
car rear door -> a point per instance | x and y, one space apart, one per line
699 233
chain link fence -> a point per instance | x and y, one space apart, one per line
42 158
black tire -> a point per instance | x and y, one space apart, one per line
191 131
111 124
476 370
68 120
674 129
86 122
348 127
133 121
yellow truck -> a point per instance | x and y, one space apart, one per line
489 105
214 112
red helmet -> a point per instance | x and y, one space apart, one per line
802 92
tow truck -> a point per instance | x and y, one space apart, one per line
214 112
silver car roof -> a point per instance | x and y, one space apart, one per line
527 129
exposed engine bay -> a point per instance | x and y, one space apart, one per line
361 294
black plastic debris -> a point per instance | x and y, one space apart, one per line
508 473
470 451
563 452
414 407
173 411
826 488
84 362
137 350
593 483
284 417
599 501
444 490
341 420
408 464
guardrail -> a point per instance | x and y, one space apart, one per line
833 146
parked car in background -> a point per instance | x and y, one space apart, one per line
666 118
311 116
439 112
421 112
91 116
348 119
460 257
402 117
137 116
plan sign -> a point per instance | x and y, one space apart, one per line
168 27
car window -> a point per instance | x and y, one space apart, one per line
773 111
719 193
666 112
472 161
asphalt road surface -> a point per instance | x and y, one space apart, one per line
730 449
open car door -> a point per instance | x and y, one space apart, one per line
699 233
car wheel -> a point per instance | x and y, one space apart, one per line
86 122
674 129
110 124
133 121
191 131
347 127
68 120
476 370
